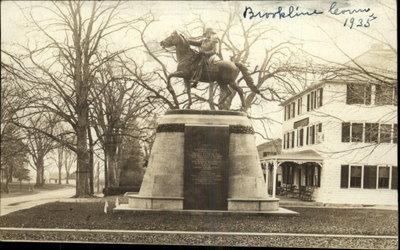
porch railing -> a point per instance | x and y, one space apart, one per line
303 192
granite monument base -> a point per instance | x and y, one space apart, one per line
204 160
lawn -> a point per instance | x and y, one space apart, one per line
90 215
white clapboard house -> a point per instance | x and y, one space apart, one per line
339 140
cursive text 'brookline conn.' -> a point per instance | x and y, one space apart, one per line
292 12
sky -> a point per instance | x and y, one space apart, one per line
317 34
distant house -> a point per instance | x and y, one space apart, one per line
53 178
266 150
269 148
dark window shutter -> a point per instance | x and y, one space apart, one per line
394 177
345 132
344 176
369 177
320 96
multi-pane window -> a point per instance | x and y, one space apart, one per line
314 99
285 113
299 105
307 135
290 110
357 132
293 109
384 94
292 141
358 93
369 177
373 176
383 177
371 132
384 133
355 176
319 126
354 132
284 141
345 132
312 134
301 137
310 172
287 140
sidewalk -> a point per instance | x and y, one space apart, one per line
12 204
293 202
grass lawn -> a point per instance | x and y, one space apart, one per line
17 190
90 215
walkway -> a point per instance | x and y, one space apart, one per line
293 202
12 204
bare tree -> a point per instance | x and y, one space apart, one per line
69 160
62 70
13 154
39 145
118 102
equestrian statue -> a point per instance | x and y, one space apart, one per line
206 66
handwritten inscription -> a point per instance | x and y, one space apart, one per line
355 17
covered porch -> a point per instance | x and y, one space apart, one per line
296 175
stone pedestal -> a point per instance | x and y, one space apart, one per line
208 156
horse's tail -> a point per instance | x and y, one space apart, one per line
247 77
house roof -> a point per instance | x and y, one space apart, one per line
275 142
379 59
298 157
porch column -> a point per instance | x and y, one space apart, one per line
274 178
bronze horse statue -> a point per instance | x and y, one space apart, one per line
223 72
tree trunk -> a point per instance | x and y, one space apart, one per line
59 176
82 165
98 177
6 188
67 178
105 170
60 164
112 169
40 171
91 167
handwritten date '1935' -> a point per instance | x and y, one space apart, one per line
359 22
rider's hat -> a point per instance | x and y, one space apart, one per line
208 31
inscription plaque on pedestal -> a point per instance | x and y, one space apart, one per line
206 167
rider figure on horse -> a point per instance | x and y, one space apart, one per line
207 48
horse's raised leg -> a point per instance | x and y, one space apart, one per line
240 92
226 92
178 74
188 91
